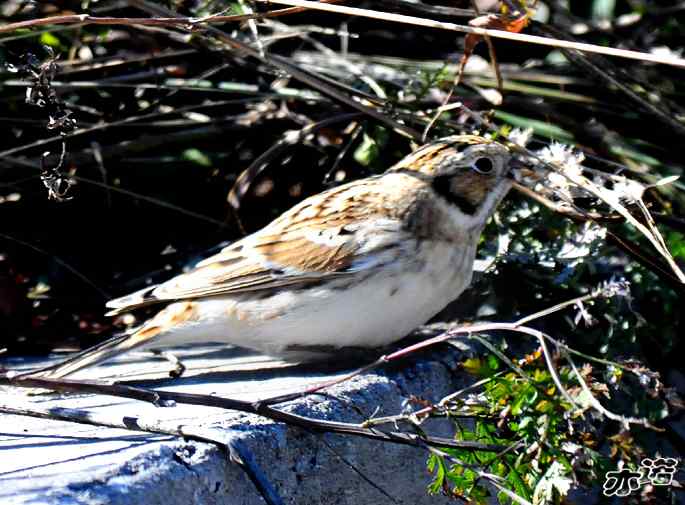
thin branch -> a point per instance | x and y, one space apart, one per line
625 421
520 37
327 87
170 398
87 19
191 24
601 69
605 291
563 208
612 200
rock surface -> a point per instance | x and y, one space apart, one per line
47 461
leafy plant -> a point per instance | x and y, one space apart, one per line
549 443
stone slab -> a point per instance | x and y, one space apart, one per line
54 462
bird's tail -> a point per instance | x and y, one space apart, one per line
97 354
173 315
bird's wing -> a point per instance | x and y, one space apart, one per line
336 233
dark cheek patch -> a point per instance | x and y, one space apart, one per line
474 186
467 191
443 187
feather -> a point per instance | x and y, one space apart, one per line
318 239
174 314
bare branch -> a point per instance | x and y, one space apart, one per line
520 37
170 398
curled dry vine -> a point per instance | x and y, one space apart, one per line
40 93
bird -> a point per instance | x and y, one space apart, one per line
359 265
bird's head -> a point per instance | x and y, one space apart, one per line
468 171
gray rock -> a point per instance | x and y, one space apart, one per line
46 461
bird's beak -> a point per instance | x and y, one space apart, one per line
516 166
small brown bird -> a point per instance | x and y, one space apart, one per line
359 265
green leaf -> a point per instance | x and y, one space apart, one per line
676 244
196 156
667 180
436 465
479 494
431 463
238 8
525 398
539 127
49 39
634 154
544 406
520 487
370 148
493 362
541 375
474 366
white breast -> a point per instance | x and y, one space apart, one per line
367 312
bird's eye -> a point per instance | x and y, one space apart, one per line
483 165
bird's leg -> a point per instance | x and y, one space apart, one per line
178 367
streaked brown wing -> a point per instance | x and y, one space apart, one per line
314 240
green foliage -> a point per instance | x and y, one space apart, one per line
197 156
367 153
49 39
546 436
542 128
676 244
430 78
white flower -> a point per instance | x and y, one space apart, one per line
563 157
